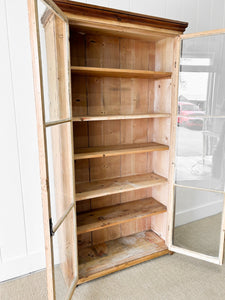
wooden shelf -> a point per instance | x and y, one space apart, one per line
118 214
112 72
99 188
119 117
93 152
111 256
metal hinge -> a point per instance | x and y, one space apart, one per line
175 64
51 227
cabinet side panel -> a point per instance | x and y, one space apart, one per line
164 60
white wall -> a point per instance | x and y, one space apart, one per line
21 231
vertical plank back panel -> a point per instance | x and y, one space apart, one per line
136 97
104 95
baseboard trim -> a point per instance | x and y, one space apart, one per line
197 213
22 266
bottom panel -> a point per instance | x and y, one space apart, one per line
65 257
198 217
106 258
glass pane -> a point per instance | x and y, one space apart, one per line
60 159
54 60
202 73
65 256
198 217
200 152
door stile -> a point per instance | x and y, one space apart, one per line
222 235
45 195
43 147
174 99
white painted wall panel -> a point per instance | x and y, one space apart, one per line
26 121
21 232
99 2
204 21
12 229
189 14
118 4
149 7
217 14
171 13
21 229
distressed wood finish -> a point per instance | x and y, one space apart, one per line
119 117
92 152
99 188
118 214
125 73
122 80
161 128
118 15
57 145
116 96
121 253
45 193
60 146
175 82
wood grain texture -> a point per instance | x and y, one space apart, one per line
161 127
121 106
118 15
57 69
92 152
100 188
119 117
123 266
45 192
118 214
60 144
103 95
137 96
108 257
125 73
174 107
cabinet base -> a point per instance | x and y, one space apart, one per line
112 256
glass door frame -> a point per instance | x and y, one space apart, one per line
174 113
49 228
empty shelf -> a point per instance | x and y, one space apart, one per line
93 152
111 256
118 214
119 117
112 72
99 188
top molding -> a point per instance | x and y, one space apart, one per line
119 15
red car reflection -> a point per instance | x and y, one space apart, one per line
189 115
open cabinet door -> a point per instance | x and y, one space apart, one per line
197 214
51 65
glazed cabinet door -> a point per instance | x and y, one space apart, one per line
51 64
197 217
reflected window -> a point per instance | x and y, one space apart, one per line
194 85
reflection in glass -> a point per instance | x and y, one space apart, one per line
200 145
202 73
200 152
198 216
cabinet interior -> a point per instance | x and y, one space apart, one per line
121 104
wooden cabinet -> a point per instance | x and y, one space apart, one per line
106 87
